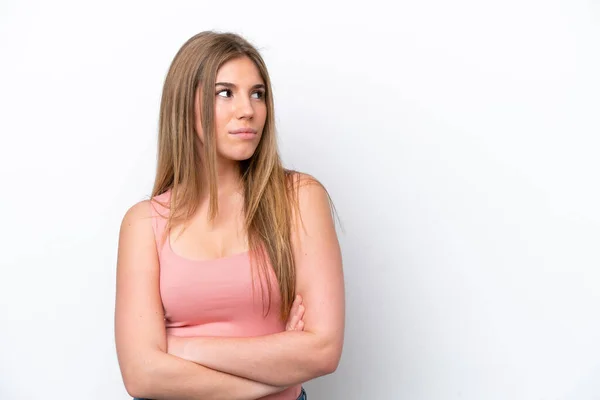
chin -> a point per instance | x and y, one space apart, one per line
240 156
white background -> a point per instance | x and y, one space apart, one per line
459 141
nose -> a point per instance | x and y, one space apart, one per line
243 107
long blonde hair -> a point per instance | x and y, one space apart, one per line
270 192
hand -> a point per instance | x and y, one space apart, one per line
295 321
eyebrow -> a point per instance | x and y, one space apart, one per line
232 85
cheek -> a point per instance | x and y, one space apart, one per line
222 116
261 113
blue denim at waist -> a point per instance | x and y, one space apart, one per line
302 396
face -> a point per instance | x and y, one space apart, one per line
240 109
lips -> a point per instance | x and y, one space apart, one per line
243 130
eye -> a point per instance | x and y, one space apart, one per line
228 91
260 94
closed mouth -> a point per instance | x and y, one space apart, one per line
243 130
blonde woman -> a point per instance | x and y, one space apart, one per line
229 278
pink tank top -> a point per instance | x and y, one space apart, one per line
214 297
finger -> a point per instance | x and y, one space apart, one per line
301 310
296 304
293 322
294 308
295 313
300 322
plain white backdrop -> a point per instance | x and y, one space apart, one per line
459 141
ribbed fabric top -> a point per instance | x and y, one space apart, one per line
214 297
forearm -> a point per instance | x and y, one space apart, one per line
281 359
165 376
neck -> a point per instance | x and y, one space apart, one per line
229 179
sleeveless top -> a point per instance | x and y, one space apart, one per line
214 297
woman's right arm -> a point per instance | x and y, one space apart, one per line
147 369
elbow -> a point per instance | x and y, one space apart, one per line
330 358
137 381
134 389
136 385
329 365
142 372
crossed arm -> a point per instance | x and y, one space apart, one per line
226 368
282 359
293 356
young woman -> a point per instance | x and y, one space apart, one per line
229 278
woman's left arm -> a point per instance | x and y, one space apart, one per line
291 357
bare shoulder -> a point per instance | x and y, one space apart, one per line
137 212
299 179
308 190
136 226
313 208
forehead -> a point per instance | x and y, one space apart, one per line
240 70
